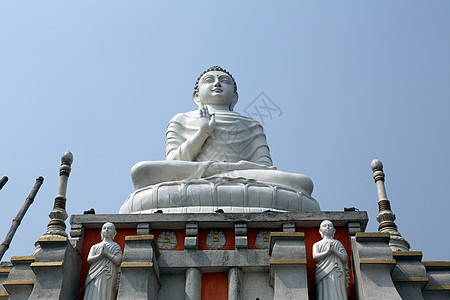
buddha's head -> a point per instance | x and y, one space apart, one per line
327 228
215 87
108 231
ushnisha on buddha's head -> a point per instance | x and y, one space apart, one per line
327 229
216 89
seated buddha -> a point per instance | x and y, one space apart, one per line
216 159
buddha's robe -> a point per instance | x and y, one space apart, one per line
237 148
235 138
101 281
331 273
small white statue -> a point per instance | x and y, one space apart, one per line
332 277
104 258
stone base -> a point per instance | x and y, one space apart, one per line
208 195
204 255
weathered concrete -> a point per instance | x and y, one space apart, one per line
21 279
191 239
409 274
289 227
226 220
255 285
5 269
172 286
213 260
288 265
240 232
193 287
254 272
438 287
143 228
57 268
140 272
373 263
234 283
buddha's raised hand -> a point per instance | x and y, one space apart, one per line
207 121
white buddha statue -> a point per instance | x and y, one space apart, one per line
209 149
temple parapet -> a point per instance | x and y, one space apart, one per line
237 255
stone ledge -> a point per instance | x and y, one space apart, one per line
52 239
277 236
47 264
437 265
438 288
4 294
287 235
373 237
22 259
19 282
410 279
130 239
5 270
136 265
274 261
407 255
377 261
143 237
223 220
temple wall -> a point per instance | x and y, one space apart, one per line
261 256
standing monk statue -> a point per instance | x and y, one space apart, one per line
104 258
210 148
332 277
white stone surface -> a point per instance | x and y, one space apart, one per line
208 195
332 277
216 157
172 286
104 258
255 286
193 287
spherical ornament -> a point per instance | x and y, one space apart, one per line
376 165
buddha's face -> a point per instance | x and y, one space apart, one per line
108 230
215 88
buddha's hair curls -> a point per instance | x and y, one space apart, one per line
215 68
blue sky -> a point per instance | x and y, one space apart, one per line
353 81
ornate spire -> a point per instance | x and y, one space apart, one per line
385 216
58 216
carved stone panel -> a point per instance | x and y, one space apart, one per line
262 239
167 240
216 239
